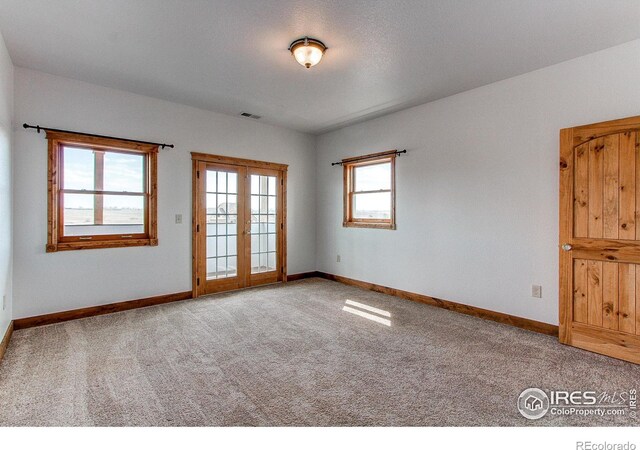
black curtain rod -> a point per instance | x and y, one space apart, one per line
339 163
38 128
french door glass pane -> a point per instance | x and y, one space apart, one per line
271 261
263 223
222 224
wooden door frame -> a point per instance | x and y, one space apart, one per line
570 138
196 158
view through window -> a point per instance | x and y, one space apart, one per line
103 192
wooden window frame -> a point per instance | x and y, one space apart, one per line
56 241
349 166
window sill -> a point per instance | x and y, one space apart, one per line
378 225
88 245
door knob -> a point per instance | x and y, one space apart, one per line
566 247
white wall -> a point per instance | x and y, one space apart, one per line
50 282
6 237
477 194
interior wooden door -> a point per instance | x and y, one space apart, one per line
239 214
600 238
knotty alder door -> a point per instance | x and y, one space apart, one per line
600 238
238 223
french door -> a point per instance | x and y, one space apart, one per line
238 223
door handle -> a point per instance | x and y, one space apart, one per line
567 247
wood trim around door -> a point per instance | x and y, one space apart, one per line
565 313
218 159
198 285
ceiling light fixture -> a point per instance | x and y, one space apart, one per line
307 51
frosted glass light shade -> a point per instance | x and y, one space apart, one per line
308 52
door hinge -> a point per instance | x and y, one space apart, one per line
198 228
198 174
197 281
281 181
282 226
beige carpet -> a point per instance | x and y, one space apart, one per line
290 355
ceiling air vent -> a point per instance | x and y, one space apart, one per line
253 116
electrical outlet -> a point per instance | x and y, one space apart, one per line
338 258
178 218
4 302
536 291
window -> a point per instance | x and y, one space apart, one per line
369 192
102 192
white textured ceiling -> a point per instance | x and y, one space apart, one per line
231 55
